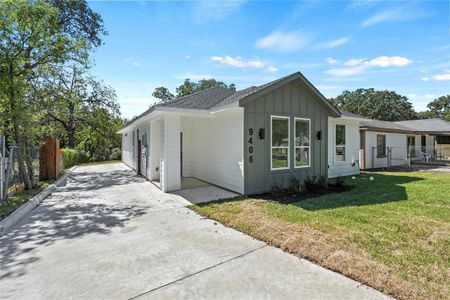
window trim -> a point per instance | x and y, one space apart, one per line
300 147
385 154
284 147
340 145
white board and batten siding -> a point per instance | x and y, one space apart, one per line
129 151
218 146
352 143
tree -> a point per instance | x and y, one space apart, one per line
189 87
163 93
71 97
380 105
438 108
33 35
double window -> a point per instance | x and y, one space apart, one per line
340 142
280 142
381 145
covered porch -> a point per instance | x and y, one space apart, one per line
188 151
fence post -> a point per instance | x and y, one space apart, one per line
2 167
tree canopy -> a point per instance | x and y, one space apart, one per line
38 37
188 87
381 105
438 108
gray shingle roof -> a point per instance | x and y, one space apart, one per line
217 97
205 99
384 126
428 125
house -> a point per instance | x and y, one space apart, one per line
244 141
385 144
250 140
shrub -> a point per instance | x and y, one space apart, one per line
339 181
116 154
295 186
277 190
72 157
322 183
311 183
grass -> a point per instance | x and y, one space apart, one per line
392 233
15 201
100 162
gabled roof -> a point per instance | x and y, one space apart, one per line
216 97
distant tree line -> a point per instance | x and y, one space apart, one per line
46 89
389 106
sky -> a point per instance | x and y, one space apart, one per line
402 46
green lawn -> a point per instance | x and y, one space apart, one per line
100 162
14 202
392 233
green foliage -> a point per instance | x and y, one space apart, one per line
380 105
73 157
189 87
163 93
438 108
295 186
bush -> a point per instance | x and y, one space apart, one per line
295 186
116 154
339 181
72 157
311 183
277 190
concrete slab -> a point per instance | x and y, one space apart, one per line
205 194
106 234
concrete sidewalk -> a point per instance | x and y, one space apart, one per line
107 234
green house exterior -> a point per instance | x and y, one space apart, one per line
291 100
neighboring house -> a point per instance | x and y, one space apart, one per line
385 144
244 141
250 140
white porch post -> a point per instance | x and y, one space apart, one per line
170 164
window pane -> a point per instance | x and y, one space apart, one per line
279 158
381 145
301 157
301 133
280 132
340 134
340 153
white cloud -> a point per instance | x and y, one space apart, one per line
411 96
407 12
193 76
441 77
279 41
389 61
425 78
238 62
206 10
347 71
353 62
430 96
332 44
331 61
271 69
131 61
187 57
358 65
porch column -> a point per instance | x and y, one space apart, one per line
170 164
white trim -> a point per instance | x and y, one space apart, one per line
336 145
225 107
283 147
303 147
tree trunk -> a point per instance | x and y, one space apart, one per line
16 130
71 137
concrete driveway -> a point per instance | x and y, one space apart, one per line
107 234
